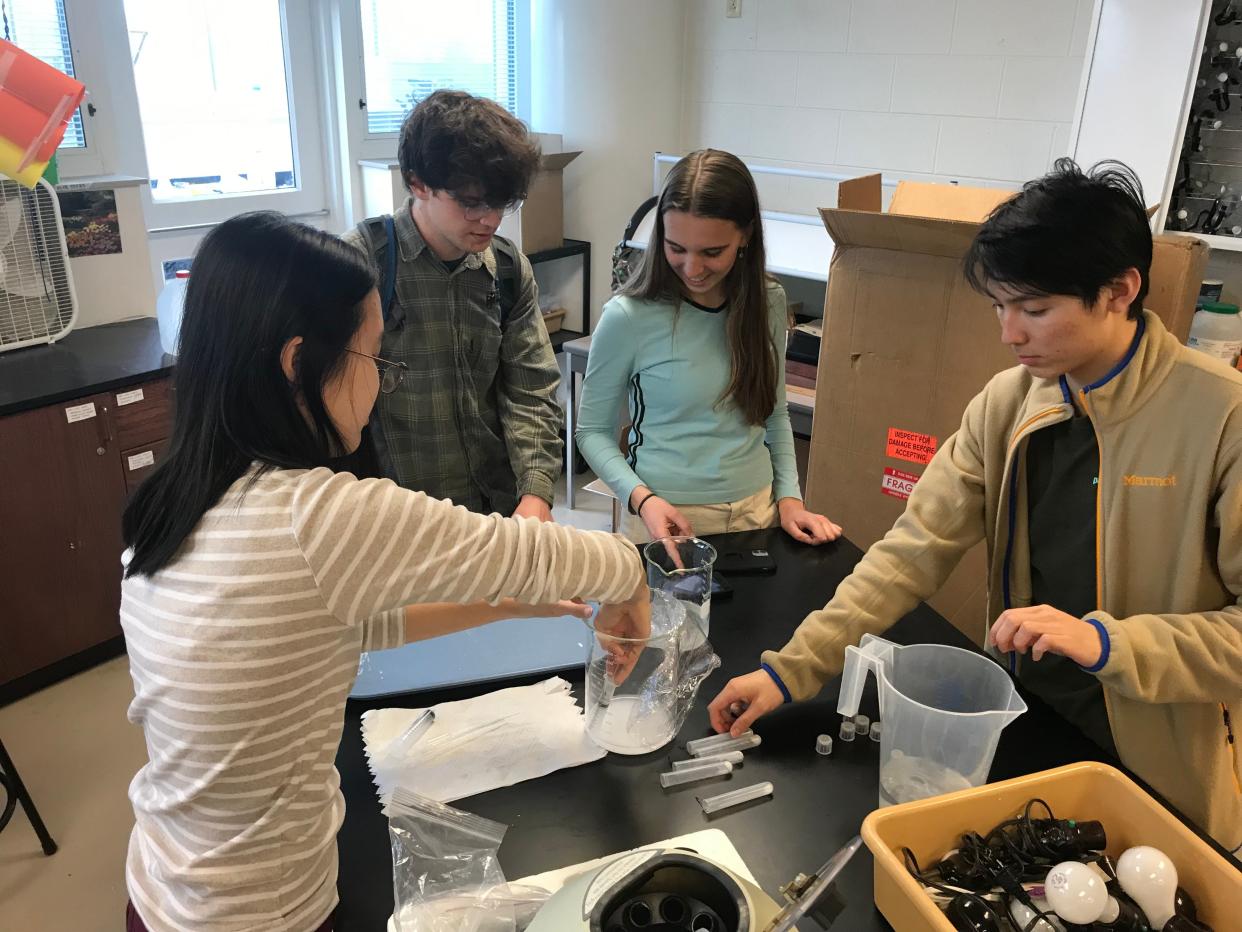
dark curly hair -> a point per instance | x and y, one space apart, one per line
456 142
1070 232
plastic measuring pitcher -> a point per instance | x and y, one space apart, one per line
682 567
943 709
640 710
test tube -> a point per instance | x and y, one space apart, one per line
700 747
417 728
743 743
712 768
847 729
862 724
876 728
733 757
721 801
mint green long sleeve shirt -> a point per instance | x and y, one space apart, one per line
669 367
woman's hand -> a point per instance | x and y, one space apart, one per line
743 700
805 526
630 621
662 519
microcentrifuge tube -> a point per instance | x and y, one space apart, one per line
733 757
823 745
702 746
743 743
712 804
876 728
862 725
712 768
847 729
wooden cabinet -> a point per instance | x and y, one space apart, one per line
65 473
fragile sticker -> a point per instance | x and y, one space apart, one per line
897 483
911 446
129 398
75 413
139 460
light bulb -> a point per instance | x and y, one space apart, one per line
1235 230
1223 77
1023 914
1150 879
1077 894
1224 46
1201 83
1217 124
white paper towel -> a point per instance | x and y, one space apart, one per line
480 744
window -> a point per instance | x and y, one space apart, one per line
39 27
413 48
214 99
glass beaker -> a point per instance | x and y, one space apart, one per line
642 710
942 708
682 567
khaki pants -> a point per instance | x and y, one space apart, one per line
747 514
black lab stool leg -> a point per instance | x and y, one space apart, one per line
15 792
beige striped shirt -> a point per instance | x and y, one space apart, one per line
243 651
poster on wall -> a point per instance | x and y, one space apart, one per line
91 225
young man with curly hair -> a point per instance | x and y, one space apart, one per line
475 418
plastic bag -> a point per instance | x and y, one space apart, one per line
446 876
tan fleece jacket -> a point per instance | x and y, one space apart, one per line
1168 552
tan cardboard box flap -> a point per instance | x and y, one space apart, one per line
946 201
949 238
863 193
555 161
1177 267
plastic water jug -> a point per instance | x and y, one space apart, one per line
168 310
943 709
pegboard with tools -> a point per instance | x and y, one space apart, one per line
1208 188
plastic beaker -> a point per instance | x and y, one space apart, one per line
682 567
943 709
640 711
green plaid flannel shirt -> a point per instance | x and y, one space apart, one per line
476 418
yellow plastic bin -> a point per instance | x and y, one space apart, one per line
931 827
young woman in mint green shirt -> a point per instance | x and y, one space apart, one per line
694 348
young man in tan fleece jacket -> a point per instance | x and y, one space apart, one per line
1105 473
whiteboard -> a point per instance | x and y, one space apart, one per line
803 250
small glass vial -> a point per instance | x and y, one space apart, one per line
823 745
847 730
876 728
862 724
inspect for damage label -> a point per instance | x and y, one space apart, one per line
911 446
897 483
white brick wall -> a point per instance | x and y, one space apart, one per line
977 90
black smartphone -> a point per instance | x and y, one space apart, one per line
746 563
720 587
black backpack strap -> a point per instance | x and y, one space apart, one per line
507 273
381 237
390 267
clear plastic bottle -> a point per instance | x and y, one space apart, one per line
168 310
1217 331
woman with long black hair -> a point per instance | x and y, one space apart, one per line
255 576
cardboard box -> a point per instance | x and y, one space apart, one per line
907 343
540 222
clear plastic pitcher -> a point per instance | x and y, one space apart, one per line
682 567
943 709
639 711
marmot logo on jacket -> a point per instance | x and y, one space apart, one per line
1170 479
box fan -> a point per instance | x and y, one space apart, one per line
37 300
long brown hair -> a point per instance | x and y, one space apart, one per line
714 184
